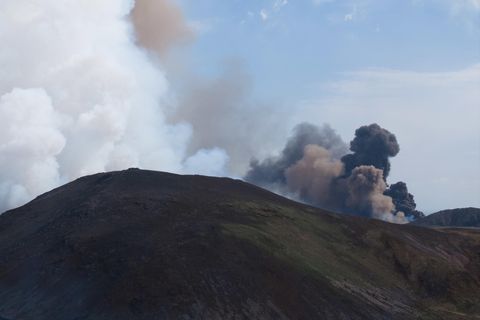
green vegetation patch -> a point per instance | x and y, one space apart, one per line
315 244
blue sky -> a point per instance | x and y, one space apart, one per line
297 43
411 66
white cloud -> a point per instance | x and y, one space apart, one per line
348 11
348 17
278 4
264 15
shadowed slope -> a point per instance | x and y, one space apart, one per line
149 245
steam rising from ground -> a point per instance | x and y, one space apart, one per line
77 96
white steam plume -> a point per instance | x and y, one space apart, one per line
77 96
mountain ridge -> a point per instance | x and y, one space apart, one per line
460 217
141 244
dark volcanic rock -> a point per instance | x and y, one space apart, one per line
150 245
464 217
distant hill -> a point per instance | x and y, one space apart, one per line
464 217
144 245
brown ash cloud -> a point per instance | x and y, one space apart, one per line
159 24
313 168
313 176
365 193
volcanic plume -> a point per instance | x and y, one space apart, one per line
365 187
372 146
78 95
313 167
271 171
311 177
403 200
97 99
159 24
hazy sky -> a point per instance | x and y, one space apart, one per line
412 66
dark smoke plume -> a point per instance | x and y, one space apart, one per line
372 146
403 200
271 171
313 167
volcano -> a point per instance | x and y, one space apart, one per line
150 245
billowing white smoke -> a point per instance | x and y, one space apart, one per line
77 96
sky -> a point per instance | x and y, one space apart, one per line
411 66
205 86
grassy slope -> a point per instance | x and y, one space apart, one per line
389 266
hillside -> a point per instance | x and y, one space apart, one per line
149 245
464 217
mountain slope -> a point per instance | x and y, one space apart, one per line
148 245
463 217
